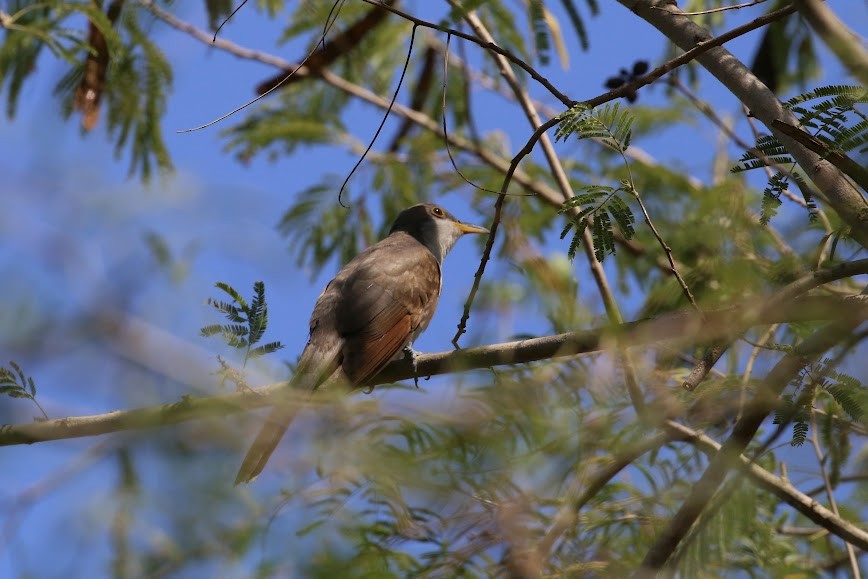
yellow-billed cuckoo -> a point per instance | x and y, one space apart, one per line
368 314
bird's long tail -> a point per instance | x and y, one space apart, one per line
269 436
314 367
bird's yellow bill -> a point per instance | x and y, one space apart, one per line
468 228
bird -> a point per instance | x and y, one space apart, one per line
369 314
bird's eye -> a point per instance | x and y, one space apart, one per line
437 212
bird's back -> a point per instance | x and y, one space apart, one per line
372 309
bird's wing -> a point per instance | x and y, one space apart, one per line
390 295
375 305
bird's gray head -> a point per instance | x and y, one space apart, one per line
434 227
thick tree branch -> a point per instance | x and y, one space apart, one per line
842 196
856 171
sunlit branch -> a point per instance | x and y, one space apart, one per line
672 330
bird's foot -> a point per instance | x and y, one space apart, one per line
413 355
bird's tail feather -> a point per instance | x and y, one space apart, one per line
309 376
269 436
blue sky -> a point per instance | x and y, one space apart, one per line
73 229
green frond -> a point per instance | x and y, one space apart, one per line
211 330
237 330
611 125
578 22
99 19
258 314
601 233
265 349
850 138
623 216
800 433
847 395
248 322
232 293
770 148
603 204
15 383
844 93
34 30
537 19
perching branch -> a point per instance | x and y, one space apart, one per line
673 330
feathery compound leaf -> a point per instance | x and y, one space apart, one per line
265 349
800 433
623 216
843 95
611 125
537 17
211 330
15 384
233 293
770 149
601 205
258 316
846 397
604 239
847 391
232 313
248 323
772 197
850 138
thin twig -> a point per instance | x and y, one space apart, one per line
721 9
384 119
231 14
748 368
486 44
830 493
443 119
666 249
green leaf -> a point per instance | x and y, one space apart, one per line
265 349
233 293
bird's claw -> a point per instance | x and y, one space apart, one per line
413 355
